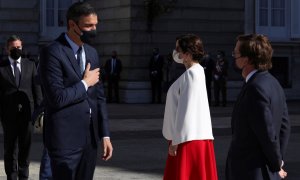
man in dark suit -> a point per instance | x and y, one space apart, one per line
19 94
156 75
113 68
260 122
220 78
75 108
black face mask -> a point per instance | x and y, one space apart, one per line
114 56
16 53
86 36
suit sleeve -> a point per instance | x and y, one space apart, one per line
262 124
37 91
51 73
285 130
102 109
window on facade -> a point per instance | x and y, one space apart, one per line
53 17
278 13
272 12
272 18
56 12
263 12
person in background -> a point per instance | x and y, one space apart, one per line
220 78
19 95
174 70
45 172
187 122
260 122
156 75
208 65
76 117
167 72
113 68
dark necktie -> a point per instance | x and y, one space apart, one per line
17 73
79 59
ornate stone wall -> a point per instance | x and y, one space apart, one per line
133 28
125 26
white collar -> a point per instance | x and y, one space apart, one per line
250 75
11 60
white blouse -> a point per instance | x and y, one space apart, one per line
187 115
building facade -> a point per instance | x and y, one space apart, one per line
134 27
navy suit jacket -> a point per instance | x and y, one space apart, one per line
261 129
67 103
117 69
156 65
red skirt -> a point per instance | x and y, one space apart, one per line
195 160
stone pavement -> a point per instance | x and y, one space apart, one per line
140 150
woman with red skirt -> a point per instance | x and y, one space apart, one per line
187 122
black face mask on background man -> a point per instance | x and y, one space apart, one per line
16 53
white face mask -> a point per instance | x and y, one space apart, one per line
176 57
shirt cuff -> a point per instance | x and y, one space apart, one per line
106 137
85 85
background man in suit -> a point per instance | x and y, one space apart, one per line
155 71
220 78
260 123
19 94
113 68
75 108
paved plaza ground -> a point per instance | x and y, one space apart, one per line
140 150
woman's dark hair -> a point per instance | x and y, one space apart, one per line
192 44
79 9
258 49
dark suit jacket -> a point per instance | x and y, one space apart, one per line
117 69
28 93
261 129
222 72
67 103
156 66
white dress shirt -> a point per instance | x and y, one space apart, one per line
250 75
113 65
12 64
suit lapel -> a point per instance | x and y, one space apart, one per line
9 72
24 70
236 106
243 90
88 56
70 54
73 60
241 95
